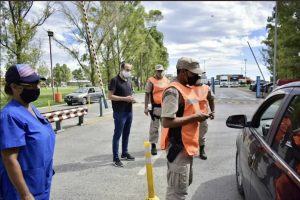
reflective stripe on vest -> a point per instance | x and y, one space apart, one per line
158 87
202 93
189 132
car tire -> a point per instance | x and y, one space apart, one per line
84 101
239 175
69 104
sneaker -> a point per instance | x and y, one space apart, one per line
127 156
118 163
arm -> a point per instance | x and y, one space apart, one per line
113 97
181 121
147 96
15 174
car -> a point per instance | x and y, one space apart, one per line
268 147
254 85
83 95
267 87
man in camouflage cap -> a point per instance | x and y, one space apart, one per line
154 90
180 118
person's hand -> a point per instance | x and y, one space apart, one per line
130 99
212 115
146 111
28 197
201 116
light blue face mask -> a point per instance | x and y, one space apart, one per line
126 74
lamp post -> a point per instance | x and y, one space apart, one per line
275 47
50 34
245 69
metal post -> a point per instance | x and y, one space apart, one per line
245 70
58 126
100 104
80 120
258 87
275 47
50 34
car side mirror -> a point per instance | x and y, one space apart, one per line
236 121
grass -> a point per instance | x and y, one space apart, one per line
45 96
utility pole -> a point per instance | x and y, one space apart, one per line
275 46
245 68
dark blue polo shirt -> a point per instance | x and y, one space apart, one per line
120 87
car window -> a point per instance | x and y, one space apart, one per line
91 90
97 89
82 90
267 117
287 138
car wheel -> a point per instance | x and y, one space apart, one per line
239 175
69 104
84 101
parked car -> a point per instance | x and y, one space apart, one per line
83 94
268 147
267 87
253 85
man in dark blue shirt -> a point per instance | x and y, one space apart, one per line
120 93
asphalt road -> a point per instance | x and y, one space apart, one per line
83 155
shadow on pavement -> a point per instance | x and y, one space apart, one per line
223 188
106 160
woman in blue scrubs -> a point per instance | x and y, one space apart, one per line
26 140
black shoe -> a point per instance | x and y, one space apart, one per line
118 163
202 153
127 156
153 149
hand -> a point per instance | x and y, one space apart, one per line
212 115
201 116
146 111
28 197
130 99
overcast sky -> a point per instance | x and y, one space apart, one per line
214 33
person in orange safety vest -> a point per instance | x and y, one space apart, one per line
154 90
180 120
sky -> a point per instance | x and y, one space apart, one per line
213 32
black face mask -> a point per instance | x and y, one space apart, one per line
30 95
192 79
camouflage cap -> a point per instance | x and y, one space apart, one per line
159 67
190 64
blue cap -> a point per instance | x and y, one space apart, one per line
22 73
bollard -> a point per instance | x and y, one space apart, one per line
100 104
49 106
151 193
258 87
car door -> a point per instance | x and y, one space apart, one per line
91 94
259 131
263 162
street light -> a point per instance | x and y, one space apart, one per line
50 34
245 69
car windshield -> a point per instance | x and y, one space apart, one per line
82 90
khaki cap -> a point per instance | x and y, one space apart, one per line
190 64
159 68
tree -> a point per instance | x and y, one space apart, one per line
61 73
18 32
78 74
43 71
288 31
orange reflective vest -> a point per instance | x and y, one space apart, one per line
202 93
158 87
189 132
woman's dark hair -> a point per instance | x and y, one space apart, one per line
7 89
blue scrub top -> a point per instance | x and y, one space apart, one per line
35 139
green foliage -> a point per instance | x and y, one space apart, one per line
61 73
43 71
18 33
78 74
288 37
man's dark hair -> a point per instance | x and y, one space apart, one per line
178 71
123 64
